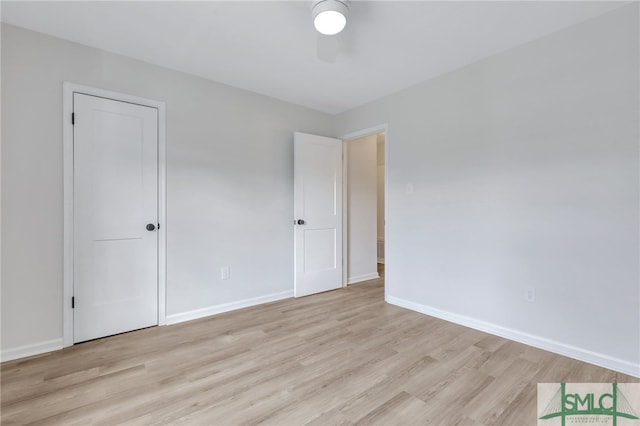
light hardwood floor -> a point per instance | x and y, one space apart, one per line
341 357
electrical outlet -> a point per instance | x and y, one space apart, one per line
225 273
530 295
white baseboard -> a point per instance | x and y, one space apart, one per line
360 278
32 349
554 346
226 307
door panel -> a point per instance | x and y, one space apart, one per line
318 202
319 250
115 197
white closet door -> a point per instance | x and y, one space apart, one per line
115 217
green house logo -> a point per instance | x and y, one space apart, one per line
589 403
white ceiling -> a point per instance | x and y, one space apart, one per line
269 46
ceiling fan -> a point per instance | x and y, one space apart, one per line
329 19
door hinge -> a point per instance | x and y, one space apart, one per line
73 118
73 302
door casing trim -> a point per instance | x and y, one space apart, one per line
68 89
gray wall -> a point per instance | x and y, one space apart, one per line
229 179
525 174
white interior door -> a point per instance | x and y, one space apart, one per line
317 213
115 281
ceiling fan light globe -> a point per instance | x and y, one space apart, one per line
329 22
330 16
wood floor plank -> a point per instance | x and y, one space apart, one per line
337 358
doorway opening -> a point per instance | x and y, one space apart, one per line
340 210
364 238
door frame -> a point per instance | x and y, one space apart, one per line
374 130
68 89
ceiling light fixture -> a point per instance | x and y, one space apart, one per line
330 16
